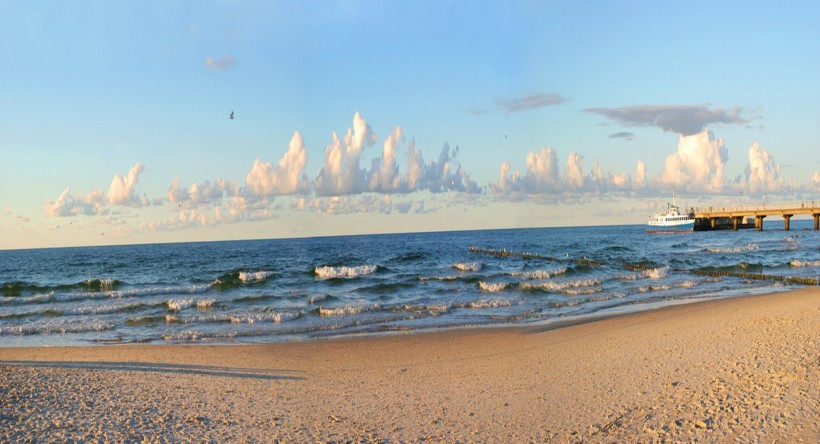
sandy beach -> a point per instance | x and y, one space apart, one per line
735 369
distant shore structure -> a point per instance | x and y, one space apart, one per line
724 218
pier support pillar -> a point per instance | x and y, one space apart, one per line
786 218
713 222
816 220
759 222
735 222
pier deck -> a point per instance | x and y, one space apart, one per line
714 217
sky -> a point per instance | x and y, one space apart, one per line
356 117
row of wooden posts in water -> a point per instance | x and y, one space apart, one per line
644 267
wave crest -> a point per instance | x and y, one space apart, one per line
254 276
493 287
799 264
656 273
740 249
328 272
468 266
538 275
567 287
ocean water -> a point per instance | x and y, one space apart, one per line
298 289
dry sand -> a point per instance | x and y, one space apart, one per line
743 369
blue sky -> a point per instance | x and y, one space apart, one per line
114 120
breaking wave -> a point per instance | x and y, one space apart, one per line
328 272
182 304
539 274
341 311
48 327
656 273
254 276
468 266
493 287
799 264
740 249
567 287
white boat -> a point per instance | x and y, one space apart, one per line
670 220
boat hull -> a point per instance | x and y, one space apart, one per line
677 228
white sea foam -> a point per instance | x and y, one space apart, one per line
150 291
436 309
33 298
179 304
252 318
539 274
630 276
105 284
56 327
439 278
565 286
341 311
432 309
489 303
656 273
328 272
101 309
468 266
316 298
205 304
740 249
493 287
254 276
651 288
184 336
798 263
581 291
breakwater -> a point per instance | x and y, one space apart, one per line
647 267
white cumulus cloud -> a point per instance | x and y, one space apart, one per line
123 189
266 179
440 175
698 164
341 174
68 204
198 194
762 172
384 173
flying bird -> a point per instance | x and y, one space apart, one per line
231 115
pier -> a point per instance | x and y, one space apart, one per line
716 218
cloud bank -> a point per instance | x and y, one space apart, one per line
625 135
361 173
221 63
121 192
543 177
686 120
526 103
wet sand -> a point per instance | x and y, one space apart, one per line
736 369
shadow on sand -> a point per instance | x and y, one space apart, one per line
204 370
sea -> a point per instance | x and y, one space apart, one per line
286 290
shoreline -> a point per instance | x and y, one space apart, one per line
721 369
550 324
